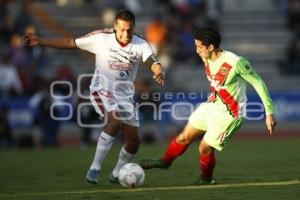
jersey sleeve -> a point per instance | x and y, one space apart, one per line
146 50
88 41
245 70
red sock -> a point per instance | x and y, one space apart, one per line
174 150
208 163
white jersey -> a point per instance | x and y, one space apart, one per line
116 65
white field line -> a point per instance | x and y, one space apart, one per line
170 188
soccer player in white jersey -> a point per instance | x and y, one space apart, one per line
218 119
118 54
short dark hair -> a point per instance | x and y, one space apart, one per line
125 15
208 36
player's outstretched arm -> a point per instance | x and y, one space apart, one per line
64 43
248 73
158 73
271 123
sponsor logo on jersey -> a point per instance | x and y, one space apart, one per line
121 66
122 76
224 70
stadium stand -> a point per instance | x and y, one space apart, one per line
256 29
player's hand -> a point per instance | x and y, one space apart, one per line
31 39
271 123
158 73
210 98
160 78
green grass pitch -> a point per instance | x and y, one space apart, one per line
246 169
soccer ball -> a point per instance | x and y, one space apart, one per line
131 175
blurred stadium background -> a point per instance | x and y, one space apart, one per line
58 152
266 32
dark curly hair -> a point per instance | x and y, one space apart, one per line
125 15
208 36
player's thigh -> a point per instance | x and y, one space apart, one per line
188 134
113 124
198 118
220 129
128 112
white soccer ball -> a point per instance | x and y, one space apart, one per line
131 175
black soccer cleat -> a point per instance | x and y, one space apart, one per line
153 163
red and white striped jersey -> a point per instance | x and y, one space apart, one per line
228 76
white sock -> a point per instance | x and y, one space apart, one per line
124 157
104 144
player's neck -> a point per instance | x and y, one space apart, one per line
121 43
216 54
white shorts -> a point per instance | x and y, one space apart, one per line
218 124
104 102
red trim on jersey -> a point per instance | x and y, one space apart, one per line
107 31
211 97
226 97
107 94
222 138
232 104
207 70
98 101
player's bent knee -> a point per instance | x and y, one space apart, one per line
113 126
183 139
135 142
205 148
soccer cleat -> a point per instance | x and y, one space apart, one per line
206 181
153 163
92 176
113 179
